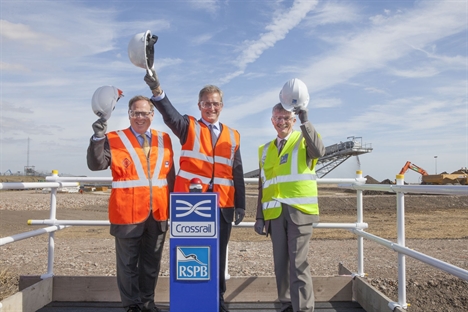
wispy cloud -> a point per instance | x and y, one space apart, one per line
275 31
333 12
201 39
415 72
386 41
16 32
209 6
13 67
316 103
393 72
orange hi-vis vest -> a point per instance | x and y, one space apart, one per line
139 184
198 159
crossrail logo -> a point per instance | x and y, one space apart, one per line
196 208
193 263
193 215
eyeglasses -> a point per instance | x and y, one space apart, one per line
204 104
134 114
284 118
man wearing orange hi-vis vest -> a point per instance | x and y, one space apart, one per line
210 152
143 175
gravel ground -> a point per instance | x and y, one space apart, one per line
90 251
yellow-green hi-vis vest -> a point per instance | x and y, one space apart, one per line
286 178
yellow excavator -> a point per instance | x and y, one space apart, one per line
459 177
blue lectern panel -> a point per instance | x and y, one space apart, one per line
194 257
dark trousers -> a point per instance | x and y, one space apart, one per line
138 265
224 235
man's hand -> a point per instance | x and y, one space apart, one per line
151 79
240 213
100 128
301 112
260 226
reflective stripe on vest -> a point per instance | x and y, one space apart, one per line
196 154
142 180
199 159
204 180
298 177
139 181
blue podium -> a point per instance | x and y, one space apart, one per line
194 260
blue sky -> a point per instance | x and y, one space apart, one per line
391 72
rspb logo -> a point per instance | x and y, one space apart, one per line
193 215
193 263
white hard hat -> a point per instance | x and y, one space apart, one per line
294 94
104 99
141 50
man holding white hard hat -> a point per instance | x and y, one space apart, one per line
287 203
210 150
143 174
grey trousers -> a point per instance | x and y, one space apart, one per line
138 265
290 249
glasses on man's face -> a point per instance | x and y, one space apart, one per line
283 118
204 104
134 114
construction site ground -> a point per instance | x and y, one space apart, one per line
435 225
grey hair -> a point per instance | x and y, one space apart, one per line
280 109
210 89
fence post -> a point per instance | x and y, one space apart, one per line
401 240
360 239
52 216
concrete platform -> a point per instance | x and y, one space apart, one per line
343 293
233 307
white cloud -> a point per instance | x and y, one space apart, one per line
8 107
415 72
201 39
399 83
374 48
333 12
23 34
276 30
166 62
316 103
457 89
209 6
374 90
13 67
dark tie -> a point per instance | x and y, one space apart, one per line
281 145
146 147
214 138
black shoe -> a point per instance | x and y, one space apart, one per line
133 308
223 308
153 309
288 309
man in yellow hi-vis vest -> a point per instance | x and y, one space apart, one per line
287 204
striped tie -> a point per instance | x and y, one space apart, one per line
281 145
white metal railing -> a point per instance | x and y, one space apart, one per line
358 184
400 189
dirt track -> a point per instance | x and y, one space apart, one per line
435 225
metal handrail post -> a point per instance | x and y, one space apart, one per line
401 240
52 216
360 217
226 269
